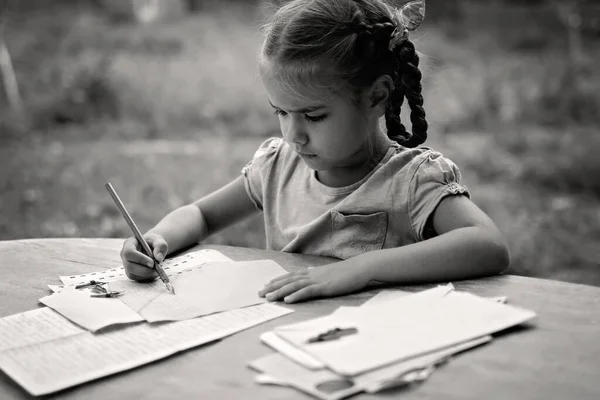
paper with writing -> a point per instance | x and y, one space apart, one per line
403 328
172 266
89 312
212 288
51 365
34 327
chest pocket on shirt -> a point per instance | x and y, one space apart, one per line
354 234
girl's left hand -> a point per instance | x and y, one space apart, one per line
326 281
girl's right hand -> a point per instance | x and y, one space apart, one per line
139 266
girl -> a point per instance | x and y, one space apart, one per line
337 184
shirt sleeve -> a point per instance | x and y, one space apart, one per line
256 171
435 178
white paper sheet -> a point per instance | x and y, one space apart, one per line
212 288
393 294
290 351
88 312
321 383
402 329
172 266
395 374
52 363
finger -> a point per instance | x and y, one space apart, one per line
159 246
271 287
289 275
139 272
133 255
129 245
132 252
288 289
306 293
280 277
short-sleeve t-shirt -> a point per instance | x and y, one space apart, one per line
389 207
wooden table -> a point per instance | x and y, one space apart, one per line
558 357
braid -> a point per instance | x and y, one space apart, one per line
409 87
372 36
395 129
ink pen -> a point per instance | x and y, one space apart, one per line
138 235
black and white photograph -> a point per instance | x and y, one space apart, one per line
300 199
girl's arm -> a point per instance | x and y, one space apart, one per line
194 222
468 245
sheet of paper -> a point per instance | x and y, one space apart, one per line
212 288
393 375
321 383
265 379
172 266
52 365
393 294
89 312
290 351
403 328
34 327
385 295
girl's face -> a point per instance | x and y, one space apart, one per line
328 131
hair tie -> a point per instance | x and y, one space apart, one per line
398 37
408 18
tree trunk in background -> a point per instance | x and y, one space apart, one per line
9 79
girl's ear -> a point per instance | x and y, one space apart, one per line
379 93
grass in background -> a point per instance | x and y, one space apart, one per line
171 111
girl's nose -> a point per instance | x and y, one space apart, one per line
296 132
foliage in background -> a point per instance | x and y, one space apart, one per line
171 110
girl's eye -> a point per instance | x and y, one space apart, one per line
311 118
315 118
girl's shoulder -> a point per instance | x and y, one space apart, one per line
268 147
410 160
414 165
266 150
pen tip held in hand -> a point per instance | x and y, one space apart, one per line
171 288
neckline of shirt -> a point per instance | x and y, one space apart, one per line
351 188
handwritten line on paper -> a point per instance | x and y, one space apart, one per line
172 267
34 327
62 362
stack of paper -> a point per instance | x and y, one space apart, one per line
57 347
204 283
394 339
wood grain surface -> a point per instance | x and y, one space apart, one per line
556 356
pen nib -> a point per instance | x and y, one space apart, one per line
170 287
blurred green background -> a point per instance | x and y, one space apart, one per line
162 99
